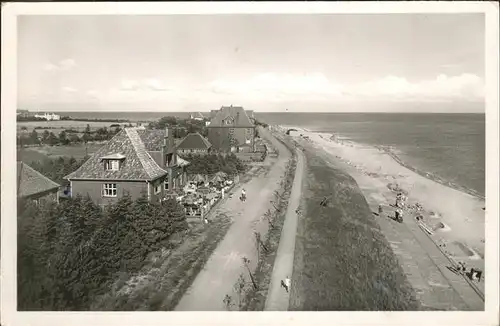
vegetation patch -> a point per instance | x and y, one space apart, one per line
70 254
168 274
342 260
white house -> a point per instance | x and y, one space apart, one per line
48 116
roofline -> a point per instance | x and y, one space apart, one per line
240 126
55 184
103 180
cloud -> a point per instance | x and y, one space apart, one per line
69 89
63 65
281 88
465 86
312 87
151 84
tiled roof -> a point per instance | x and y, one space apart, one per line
241 119
153 139
137 165
182 162
31 182
194 141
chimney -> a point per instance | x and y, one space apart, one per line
168 149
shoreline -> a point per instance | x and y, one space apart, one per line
452 229
395 157
454 219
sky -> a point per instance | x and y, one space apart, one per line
265 62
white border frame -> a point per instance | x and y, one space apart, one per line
9 314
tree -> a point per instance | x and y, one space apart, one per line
63 138
259 243
246 262
34 137
239 288
52 139
73 138
45 136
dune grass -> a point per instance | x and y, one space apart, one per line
342 260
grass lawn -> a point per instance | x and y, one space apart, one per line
65 124
342 260
39 153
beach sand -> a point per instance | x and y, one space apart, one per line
456 219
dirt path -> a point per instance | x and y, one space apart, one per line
224 266
278 298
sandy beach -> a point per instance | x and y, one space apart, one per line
455 219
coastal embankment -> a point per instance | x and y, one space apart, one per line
350 257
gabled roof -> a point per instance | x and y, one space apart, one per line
137 165
116 156
182 162
197 115
194 141
153 139
237 112
31 182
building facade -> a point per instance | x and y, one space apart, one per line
231 130
137 162
194 143
32 185
48 116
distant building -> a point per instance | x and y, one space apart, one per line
23 113
33 185
194 143
231 130
48 116
136 161
196 116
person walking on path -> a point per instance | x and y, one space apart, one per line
283 285
287 283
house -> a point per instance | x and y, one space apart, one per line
196 116
194 143
33 185
231 129
48 116
136 161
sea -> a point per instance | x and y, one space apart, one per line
447 146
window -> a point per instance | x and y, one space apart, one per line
158 188
166 184
112 165
109 190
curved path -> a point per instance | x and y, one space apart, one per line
224 266
277 297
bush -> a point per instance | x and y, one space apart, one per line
213 163
69 254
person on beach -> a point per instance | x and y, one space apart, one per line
243 195
380 210
399 215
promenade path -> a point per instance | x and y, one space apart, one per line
277 298
220 273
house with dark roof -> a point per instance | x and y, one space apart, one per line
194 143
33 185
136 161
231 130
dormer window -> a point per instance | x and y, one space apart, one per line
112 165
113 162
